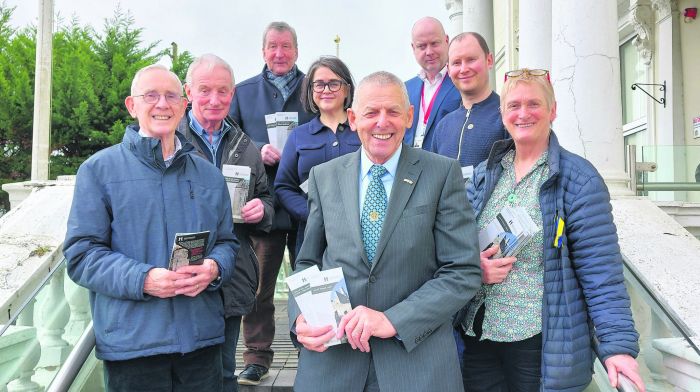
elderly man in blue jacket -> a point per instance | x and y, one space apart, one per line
155 328
275 89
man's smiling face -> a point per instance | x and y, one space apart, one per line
380 115
161 118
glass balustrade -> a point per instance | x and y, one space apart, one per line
677 173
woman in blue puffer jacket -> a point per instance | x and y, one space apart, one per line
529 328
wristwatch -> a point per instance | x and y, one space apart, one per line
215 282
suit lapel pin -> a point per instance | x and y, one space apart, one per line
407 181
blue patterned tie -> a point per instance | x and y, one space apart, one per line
373 211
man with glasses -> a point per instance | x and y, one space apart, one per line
155 328
468 133
210 89
275 89
432 93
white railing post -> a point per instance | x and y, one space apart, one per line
54 317
79 311
30 359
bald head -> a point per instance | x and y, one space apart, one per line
429 44
427 22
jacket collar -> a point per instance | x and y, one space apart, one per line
501 147
188 133
316 126
148 149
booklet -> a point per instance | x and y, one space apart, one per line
322 297
467 173
511 229
279 126
188 249
238 183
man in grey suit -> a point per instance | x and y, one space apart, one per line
425 264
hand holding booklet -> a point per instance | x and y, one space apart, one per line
279 126
511 230
238 183
322 297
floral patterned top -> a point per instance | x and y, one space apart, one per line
514 307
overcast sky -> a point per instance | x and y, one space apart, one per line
375 34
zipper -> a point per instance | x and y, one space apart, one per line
461 134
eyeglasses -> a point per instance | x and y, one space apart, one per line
153 97
526 74
333 85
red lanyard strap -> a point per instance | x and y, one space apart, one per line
426 111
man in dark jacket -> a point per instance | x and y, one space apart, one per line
155 328
210 88
275 89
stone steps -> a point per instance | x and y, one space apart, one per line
284 365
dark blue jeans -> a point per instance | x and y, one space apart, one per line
228 353
489 366
199 370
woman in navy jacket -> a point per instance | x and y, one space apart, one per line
327 90
530 326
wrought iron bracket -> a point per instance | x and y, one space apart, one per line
662 88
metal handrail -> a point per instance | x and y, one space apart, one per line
31 297
634 167
75 361
668 186
624 384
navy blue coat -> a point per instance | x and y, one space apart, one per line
584 291
309 144
254 98
447 100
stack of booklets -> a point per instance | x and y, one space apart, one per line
279 126
511 229
322 297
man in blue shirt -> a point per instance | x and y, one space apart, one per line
210 89
432 93
468 133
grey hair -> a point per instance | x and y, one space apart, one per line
210 61
382 78
147 68
280 27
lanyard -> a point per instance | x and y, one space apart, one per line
426 111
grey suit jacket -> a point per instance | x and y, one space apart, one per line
425 269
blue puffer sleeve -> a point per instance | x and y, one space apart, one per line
596 256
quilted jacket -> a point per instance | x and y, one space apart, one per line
584 292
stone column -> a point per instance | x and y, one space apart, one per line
42 93
455 9
669 120
478 17
586 78
535 34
